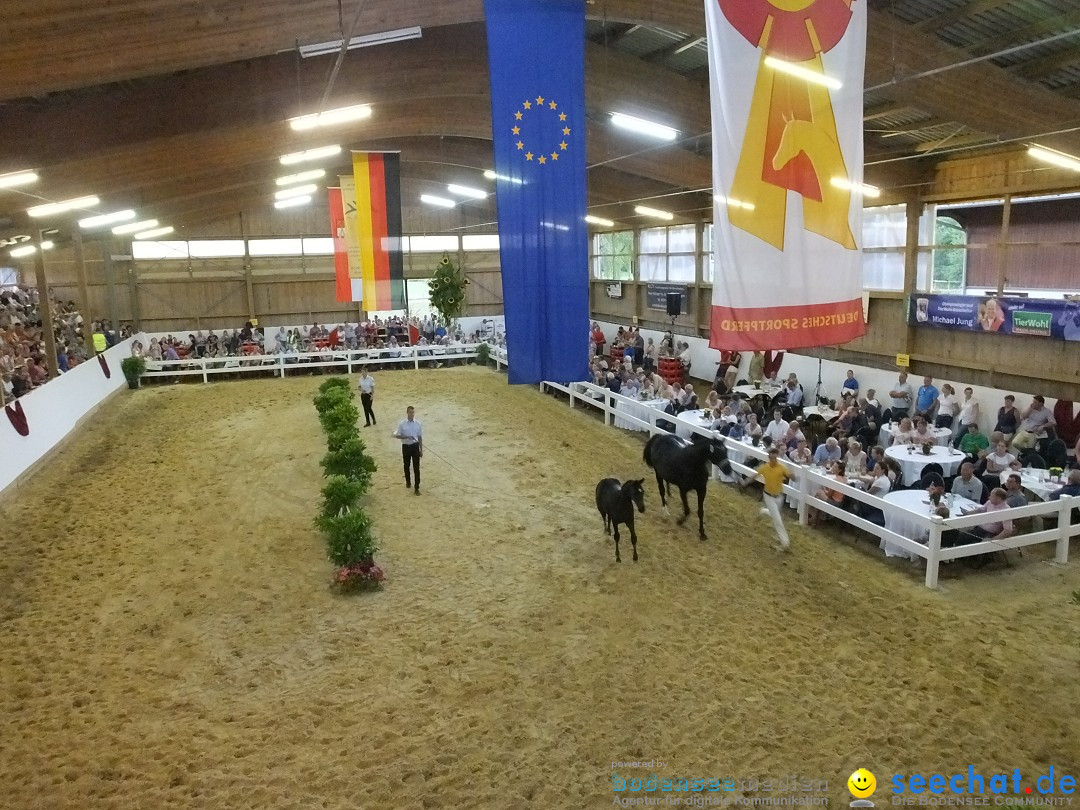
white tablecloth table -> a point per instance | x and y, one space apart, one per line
636 409
941 435
917 502
822 411
912 463
1037 482
749 391
684 420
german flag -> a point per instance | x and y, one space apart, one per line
378 220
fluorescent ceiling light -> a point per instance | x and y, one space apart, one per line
733 202
466 191
47 245
25 250
297 191
692 43
1055 158
442 202
292 202
154 233
607 223
490 175
311 154
803 73
107 219
52 209
653 212
327 118
17 179
847 185
644 127
365 41
135 227
312 174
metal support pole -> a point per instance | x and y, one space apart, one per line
84 292
110 282
45 307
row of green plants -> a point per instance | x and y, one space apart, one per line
350 540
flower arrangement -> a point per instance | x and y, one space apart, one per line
1056 472
936 493
366 576
927 447
447 289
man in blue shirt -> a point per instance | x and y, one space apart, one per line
851 384
827 453
926 399
1072 488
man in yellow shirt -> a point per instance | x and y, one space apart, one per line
773 474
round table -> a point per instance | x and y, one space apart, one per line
1034 482
637 409
912 463
686 419
941 435
917 502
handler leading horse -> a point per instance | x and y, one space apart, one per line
686 465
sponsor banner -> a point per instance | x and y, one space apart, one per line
656 294
786 86
1036 317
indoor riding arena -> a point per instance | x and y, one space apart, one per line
358 358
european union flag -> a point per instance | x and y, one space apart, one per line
536 52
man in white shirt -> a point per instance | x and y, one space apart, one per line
901 396
966 485
777 429
411 435
367 392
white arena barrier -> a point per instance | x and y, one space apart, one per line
55 410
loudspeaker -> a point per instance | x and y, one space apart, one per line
674 304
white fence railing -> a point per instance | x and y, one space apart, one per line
806 482
281 364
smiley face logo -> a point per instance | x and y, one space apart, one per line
861 783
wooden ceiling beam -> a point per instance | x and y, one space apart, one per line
1047 65
965 12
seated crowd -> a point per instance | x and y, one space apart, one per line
852 444
23 362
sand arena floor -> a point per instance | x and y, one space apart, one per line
168 640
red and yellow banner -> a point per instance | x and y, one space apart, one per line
346 287
377 178
786 79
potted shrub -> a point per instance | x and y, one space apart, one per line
351 546
133 368
483 354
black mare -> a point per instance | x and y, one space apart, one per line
686 465
616 503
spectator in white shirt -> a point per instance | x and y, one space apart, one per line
777 428
967 485
948 406
902 396
969 415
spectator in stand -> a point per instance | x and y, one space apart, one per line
901 434
777 429
998 462
851 384
1014 491
973 442
967 485
801 455
854 460
926 399
1034 423
901 396
997 530
1007 418
757 367
827 453
1072 489
969 415
948 407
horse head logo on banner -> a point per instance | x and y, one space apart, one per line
791 141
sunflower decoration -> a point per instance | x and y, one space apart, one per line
447 289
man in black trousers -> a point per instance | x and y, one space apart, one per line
411 435
367 392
